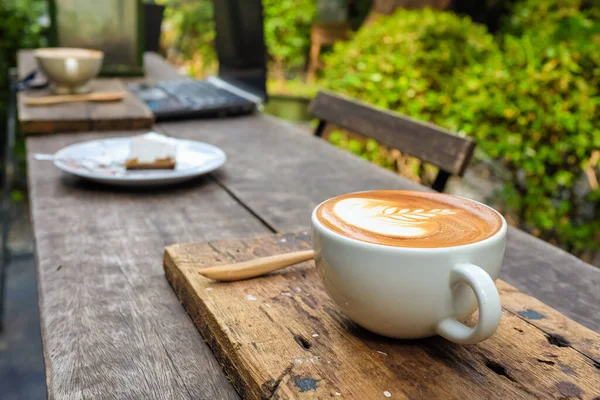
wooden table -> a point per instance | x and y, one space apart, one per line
129 113
112 326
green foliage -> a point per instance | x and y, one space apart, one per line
17 196
542 119
367 149
287 31
18 29
551 97
193 32
533 102
414 62
543 17
292 87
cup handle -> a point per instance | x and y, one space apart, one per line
488 301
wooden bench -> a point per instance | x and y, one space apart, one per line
427 142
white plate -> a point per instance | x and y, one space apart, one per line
101 161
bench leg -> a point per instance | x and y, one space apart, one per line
440 181
320 128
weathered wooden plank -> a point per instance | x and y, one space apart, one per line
279 171
280 336
111 326
281 174
73 117
131 113
425 141
553 276
560 329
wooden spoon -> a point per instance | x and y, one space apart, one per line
254 268
69 98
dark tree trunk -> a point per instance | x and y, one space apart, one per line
389 6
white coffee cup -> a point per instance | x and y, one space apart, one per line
410 293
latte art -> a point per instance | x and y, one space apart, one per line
409 219
377 216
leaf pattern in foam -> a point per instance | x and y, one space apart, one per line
410 217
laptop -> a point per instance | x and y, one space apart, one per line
239 88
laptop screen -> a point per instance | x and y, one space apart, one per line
240 43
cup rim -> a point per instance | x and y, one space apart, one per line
327 231
51 52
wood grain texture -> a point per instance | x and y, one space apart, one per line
279 171
553 276
281 174
281 337
562 330
425 141
111 325
131 113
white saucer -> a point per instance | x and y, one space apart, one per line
102 161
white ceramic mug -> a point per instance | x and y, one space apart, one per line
411 293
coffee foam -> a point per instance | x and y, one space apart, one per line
409 219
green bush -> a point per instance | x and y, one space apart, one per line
532 102
287 31
287 26
551 124
414 62
542 121
367 149
193 31
543 17
18 29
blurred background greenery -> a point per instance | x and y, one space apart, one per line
528 94
20 28
22 25
520 76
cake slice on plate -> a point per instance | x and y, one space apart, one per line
151 151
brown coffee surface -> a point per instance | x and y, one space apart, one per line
409 219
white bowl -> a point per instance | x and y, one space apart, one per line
69 69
